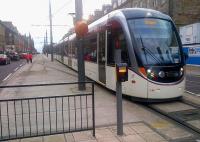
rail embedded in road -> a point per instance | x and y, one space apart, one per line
186 114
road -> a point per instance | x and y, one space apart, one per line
193 83
7 70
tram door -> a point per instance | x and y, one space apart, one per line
102 58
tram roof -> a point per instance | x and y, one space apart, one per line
143 12
129 13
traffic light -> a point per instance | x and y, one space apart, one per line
122 72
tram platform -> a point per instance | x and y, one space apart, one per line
140 124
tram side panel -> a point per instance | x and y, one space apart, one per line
136 86
156 91
91 70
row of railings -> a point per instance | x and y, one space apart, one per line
41 116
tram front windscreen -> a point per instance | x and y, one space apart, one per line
156 41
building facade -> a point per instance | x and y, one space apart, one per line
2 37
183 12
12 41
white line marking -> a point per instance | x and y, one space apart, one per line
16 69
193 93
7 77
20 65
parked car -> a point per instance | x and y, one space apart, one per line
22 55
15 56
4 59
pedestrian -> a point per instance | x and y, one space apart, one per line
30 57
27 57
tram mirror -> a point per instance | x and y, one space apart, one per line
121 72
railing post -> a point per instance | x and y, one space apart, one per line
93 110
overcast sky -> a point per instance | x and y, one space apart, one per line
26 13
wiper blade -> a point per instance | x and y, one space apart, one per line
149 51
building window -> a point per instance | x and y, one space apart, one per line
119 2
155 3
144 4
163 1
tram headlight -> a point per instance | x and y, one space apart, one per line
181 71
148 71
161 74
151 74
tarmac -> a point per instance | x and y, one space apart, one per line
140 125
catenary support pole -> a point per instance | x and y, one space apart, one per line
47 44
80 50
51 35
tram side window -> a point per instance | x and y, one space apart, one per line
114 38
124 51
69 49
59 50
90 50
73 49
65 49
110 49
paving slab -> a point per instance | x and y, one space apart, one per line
152 137
103 133
141 128
192 98
176 133
108 139
132 138
55 138
173 106
35 139
83 136
126 129
69 137
195 123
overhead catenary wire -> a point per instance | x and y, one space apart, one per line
61 8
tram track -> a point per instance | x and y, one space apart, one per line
185 113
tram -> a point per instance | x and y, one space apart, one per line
150 45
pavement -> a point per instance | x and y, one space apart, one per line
140 124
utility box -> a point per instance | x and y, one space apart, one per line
122 72
190 34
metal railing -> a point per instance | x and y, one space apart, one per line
41 116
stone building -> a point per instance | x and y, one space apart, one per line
2 37
98 13
11 36
183 12
11 40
